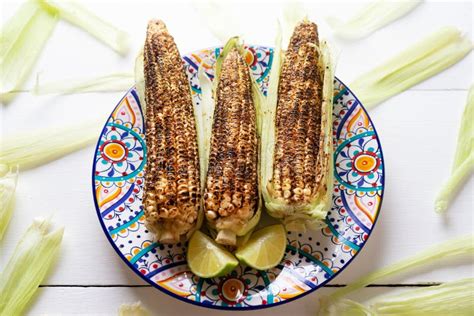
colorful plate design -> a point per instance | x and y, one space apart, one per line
311 259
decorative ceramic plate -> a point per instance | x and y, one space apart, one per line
311 259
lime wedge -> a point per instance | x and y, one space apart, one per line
207 259
265 248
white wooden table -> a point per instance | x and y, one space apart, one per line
417 128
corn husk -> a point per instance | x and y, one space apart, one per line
218 17
453 185
28 266
453 249
107 83
140 80
463 164
204 113
8 183
292 13
343 307
419 62
465 145
371 17
76 14
412 301
451 298
23 38
135 309
11 31
36 148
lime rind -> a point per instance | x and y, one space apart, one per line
265 248
207 259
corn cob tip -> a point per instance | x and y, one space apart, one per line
305 32
156 26
226 237
233 53
167 237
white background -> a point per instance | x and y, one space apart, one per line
418 131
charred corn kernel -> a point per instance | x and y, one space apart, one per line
298 185
231 196
172 188
298 118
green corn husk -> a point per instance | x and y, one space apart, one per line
22 40
465 145
140 80
452 186
223 23
108 83
463 165
204 114
269 112
28 266
372 17
452 249
293 12
76 14
135 309
312 215
451 298
231 43
4 170
413 301
13 28
343 307
8 181
419 62
33 149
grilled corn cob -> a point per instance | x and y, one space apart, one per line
298 186
231 198
172 189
